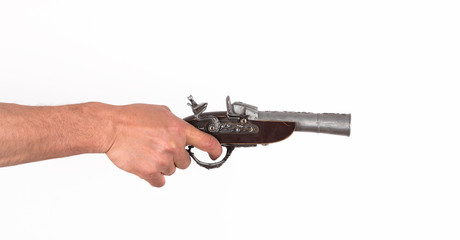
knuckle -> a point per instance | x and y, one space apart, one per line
169 147
166 166
170 171
186 164
165 108
184 160
163 163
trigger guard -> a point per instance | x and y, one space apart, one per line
214 164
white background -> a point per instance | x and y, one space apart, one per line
392 64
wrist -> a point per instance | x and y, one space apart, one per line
102 131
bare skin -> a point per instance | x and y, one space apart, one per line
146 140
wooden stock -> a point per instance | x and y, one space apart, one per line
269 131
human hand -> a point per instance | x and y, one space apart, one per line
150 142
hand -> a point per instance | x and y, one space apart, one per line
150 142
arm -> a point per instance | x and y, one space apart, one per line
146 140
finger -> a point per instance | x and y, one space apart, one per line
166 165
156 180
203 141
182 159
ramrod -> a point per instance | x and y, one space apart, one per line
242 125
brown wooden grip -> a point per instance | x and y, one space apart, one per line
269 131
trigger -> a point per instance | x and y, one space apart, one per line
214 164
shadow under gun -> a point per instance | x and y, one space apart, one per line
242 125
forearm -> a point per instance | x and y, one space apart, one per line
30 134
146 140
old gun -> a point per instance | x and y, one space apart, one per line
243 125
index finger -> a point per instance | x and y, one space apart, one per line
203 141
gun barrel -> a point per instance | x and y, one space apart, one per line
330 123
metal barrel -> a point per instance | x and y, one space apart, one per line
330 123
